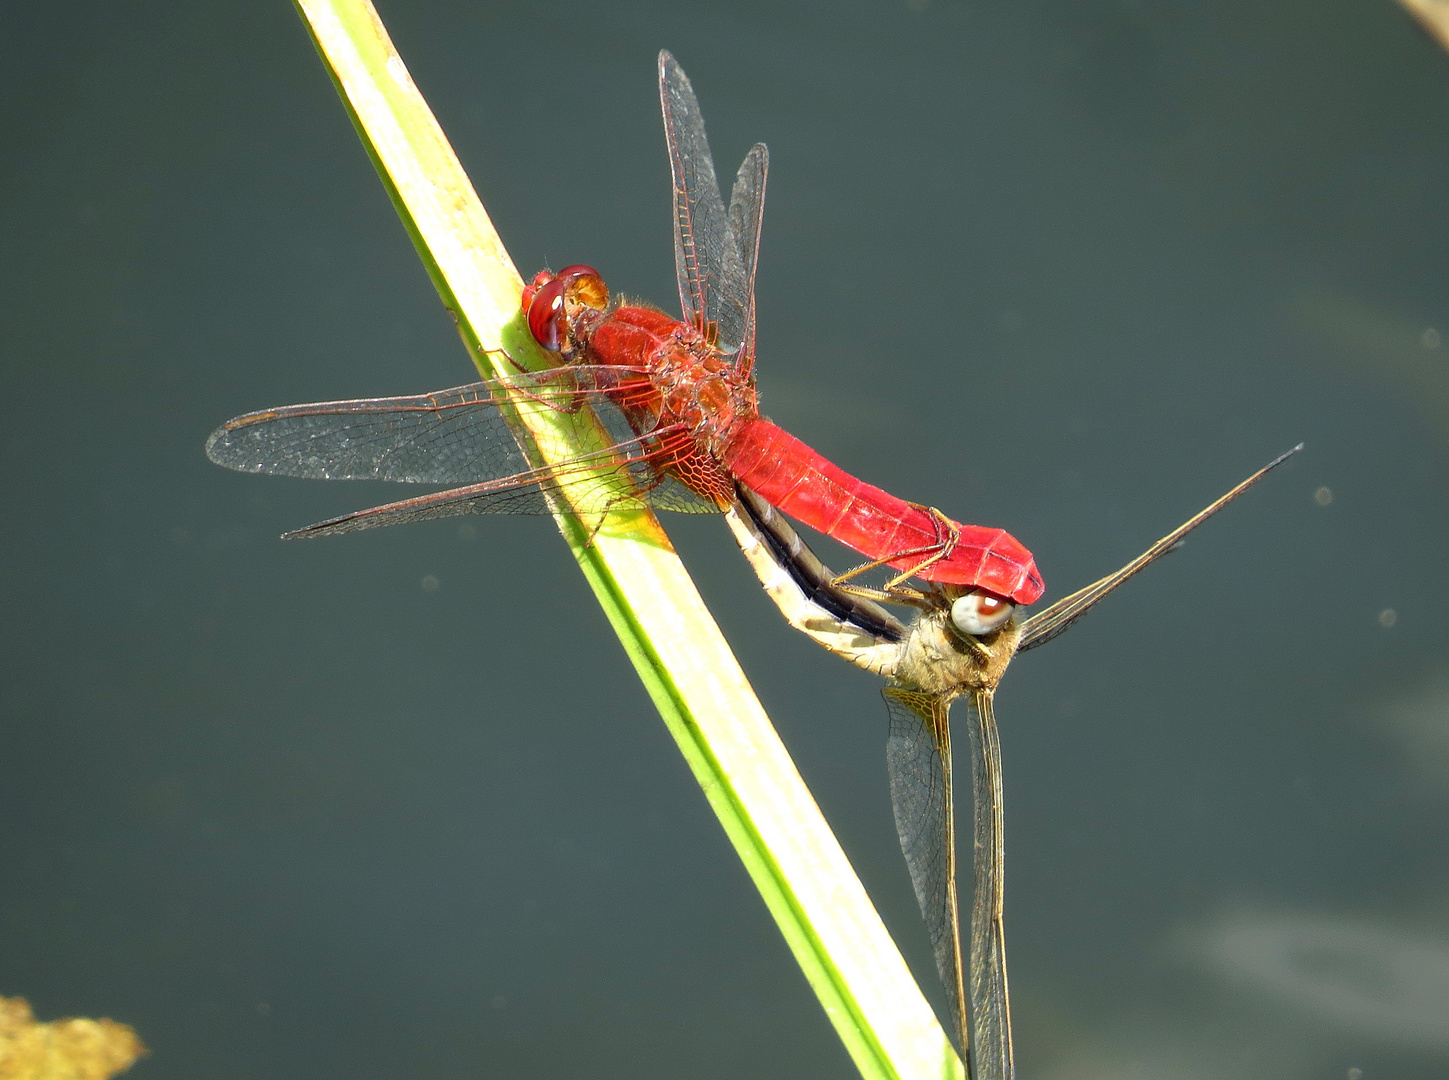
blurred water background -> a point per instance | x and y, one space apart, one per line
338 810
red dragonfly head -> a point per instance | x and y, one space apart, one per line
552 300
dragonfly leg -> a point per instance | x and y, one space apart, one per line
567 409
623 500
947 533
839 580
538 399
903 594
523 392
503 353
599 524
603 517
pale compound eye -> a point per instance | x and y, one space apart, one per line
979 613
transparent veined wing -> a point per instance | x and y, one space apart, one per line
990 1006
746 214
918 758
918 761
445 437
462 435
715 286
626 476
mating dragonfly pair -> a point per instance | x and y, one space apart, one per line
678 398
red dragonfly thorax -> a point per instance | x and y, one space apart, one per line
694 400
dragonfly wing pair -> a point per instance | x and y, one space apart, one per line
918 762
463 436
715 249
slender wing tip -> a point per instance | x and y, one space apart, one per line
757 159
1264 471
1283 457
1047 624
211 441
674 84
323 528
220 450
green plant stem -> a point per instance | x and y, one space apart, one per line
681 657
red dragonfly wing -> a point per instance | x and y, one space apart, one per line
461 436
746 213
625 476
715 250
446 437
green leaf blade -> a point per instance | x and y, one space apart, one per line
686 666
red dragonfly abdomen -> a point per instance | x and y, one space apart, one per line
794 478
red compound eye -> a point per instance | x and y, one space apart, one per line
578 270
545 314
583 285
540 279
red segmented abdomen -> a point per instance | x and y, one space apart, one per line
800 482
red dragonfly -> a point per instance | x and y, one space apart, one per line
677 397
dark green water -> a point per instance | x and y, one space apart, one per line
1070 268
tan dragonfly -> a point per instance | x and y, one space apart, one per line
957 647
